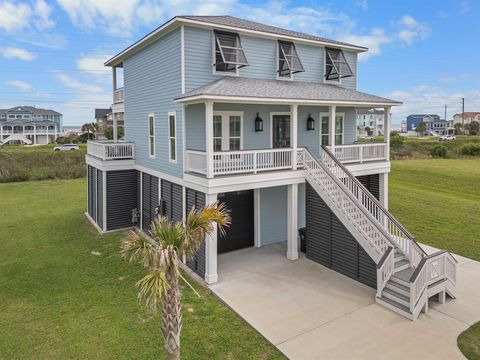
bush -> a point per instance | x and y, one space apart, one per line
470 149
396 141
439 151
109 132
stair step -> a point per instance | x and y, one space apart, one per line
400 288
405 311
396 296
401 264
398 255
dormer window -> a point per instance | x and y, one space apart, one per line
336 66
229 55
288 60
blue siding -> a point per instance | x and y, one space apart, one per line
312 60
349 125
152 80
351 82
262 56
273 215
195 127
309 138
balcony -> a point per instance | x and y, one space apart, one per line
361 153
118 96
109 150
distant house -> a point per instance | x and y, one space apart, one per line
403 126
371 118
30 125
435 125
104 119
467 117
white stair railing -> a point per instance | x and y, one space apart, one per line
385 269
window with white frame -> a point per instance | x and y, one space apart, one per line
227 131
172 137
336 66
217 133
338 129
288 60
324 129
229 55
234 132
324 119
151 135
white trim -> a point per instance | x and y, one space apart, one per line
211 275
182 56
151 115
272 114
225 114
174 114
104 199
140 210
214 59
256 218
266 101
292 222
169 26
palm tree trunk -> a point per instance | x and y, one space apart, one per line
172 319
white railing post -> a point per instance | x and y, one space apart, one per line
331 127
360 153
293 132
209 138
386 129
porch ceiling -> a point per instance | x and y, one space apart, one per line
243 89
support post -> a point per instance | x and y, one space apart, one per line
441 297
115 130
383 185
114 80
256 216
386 131
209 137
292 222
331 127
211 275
293 134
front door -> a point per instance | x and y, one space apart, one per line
280 131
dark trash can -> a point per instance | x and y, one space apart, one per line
303 243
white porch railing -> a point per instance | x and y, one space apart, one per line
385 269
239 162
118 96
111 150
361 152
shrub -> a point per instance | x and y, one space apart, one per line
470 149
439 151
397 141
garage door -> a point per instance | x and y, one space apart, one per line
241 231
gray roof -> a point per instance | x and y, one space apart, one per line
102 113
281 89
232 21
34 110
370 112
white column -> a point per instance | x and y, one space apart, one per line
386 130
34 133
383 185
114 79
104 200
211 275
115 132
256 217
292 222
331 127
209 137
293 134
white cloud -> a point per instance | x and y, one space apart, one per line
373 41
464 7
13 52
93 64
409 29
73 83
18 16
22 85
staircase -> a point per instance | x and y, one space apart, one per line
406 276
18 137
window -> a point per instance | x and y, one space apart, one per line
229 55
227 131
217 133
11 116
172 137
235 132
324 130
288 60
324 117
338 129
336 67
151 135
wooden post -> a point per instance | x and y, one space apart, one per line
386 131
209 137
331 127
211 275
292 222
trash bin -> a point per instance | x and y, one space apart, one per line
303 242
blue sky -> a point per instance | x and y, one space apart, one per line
424 53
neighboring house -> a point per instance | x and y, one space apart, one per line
72 130
466 117
403 126
30 125
105 118
435 125
371 118
263 119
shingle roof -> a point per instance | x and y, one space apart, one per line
34 110
469 114
226 20
282 90
102 113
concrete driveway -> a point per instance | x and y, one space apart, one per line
311 312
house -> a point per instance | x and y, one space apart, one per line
263 119
372 119
403 126
466 117
104 118
30 125
435 125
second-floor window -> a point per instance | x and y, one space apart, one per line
288 60
336 66
229 55
172 137
151 135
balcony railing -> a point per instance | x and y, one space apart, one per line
118 96
110 150
360 153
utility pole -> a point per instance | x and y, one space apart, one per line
445 124
463 115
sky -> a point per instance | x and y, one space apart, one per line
424 53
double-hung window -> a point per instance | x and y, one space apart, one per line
288 60
229 55
324 118
227 131
151 135
336 66
172 137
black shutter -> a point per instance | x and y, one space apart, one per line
149 199
122 198
372 183
196 199
99 208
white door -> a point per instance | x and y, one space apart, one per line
227 132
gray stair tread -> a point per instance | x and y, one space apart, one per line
396 294
396 304
401 262
398 285
405 274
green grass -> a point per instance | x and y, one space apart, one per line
469 342
419 147
58 301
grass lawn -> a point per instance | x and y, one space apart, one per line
438 200
59 301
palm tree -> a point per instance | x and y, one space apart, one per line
89 128
161 255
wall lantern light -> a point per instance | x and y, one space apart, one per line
310 122
258 123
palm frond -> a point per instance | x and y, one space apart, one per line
136 248
166 232
152 289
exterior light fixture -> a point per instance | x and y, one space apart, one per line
310 122
258 123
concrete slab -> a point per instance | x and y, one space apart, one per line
310 312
